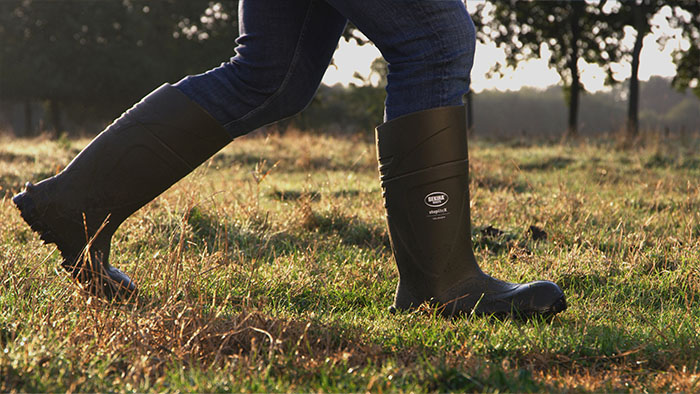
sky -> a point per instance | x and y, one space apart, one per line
351 58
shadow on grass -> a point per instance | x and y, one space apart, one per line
445 378
552 163
581 280
142 343
659 205
244 159
350 229
493 183
11 183
660 160
12 157
650 291
497 241
255 236
296 195
286 163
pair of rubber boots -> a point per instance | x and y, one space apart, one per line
424 174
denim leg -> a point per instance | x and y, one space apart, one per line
284 48
428 44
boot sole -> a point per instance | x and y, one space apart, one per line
548 313
27 208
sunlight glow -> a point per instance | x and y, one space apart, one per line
349 59
655 60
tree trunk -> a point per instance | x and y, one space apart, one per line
27 118
55 109
470 113
572 130
639 20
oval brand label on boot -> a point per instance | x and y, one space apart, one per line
436 199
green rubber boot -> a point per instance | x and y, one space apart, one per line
144 152
424 173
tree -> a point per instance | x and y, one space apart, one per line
688 61
571 30
641 11
103 57
638 15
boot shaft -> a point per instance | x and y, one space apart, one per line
423 163
421 140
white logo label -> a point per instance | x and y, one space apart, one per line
436 199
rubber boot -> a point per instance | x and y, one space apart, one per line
150 147
424 168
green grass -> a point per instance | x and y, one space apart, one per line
269 269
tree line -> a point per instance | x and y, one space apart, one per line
95 58
80 61
593 32
532 113
542 113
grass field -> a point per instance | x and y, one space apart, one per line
269 269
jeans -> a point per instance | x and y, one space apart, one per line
285 47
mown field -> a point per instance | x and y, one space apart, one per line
269 270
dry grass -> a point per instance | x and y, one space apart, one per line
269 270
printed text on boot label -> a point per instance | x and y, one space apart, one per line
436 200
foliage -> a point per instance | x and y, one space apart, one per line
638 15
524 28
688 61
344 109
110 53
281 283
592 32
531 112
571 30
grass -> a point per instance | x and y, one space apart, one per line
269 269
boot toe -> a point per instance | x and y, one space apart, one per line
111 284
123 288
539 297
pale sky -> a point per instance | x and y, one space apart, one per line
351 58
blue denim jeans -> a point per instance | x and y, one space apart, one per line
285 46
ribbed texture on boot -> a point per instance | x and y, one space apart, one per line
180 124
137 157
423 166
410 143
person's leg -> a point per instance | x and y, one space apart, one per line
428 45
149 148
422 152
284 49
